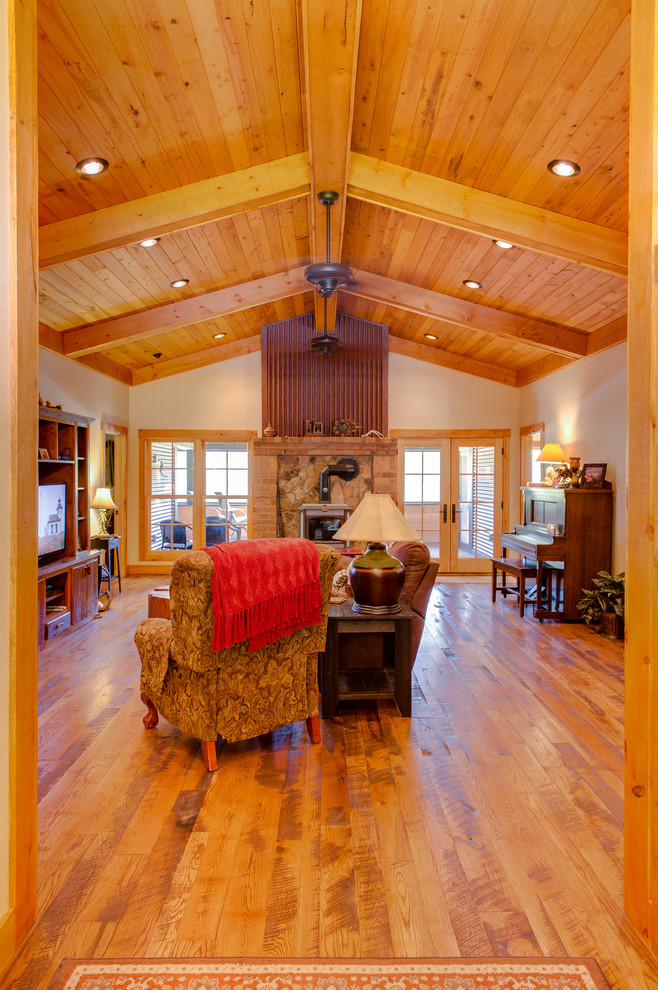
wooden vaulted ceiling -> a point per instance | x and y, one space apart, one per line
433 119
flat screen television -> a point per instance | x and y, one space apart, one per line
52 520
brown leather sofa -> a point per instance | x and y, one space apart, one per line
368 649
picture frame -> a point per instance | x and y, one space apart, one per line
43 454
317 426
593 475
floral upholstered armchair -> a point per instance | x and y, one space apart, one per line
232 692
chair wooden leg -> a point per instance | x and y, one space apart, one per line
150 720
209 754
313 727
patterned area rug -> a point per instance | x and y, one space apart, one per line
329 974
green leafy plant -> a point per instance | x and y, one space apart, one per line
607 595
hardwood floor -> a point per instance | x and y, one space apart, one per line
490 823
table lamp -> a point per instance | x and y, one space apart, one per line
552 453
102 501
376 577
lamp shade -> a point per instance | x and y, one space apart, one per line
103 500
376 519
551 453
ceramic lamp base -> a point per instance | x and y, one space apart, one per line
376 579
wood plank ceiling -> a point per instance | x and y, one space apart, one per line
433 119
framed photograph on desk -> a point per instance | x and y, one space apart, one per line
593 475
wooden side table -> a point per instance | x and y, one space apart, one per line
368 682
109 544
158 604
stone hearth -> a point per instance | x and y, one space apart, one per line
286 472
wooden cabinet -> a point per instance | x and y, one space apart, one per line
84 591
68 594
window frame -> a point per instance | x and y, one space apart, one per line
199 439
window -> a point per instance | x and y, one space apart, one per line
532 441
196 491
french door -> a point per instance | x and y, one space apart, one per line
453 497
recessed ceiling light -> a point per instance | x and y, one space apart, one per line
91 166
563 167
505 245
178 283
431 336
470 283
218 336
149 242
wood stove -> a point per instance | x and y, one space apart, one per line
318 522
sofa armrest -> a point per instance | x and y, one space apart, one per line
153 641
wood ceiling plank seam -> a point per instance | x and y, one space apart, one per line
283 19
158 268
133 259
151 68
202 279
461 71
77 287
553 60
424 38
429 245
395 40
113 101
512 181
205 240
368 69
202 202
274 237
587 94
300 212
259 40
57 85
237 50
258 233
482 213
228 105
453 268
288 238
491 85
118 279
405 241
223 249
595 293
362 236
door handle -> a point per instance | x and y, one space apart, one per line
453 511
445 512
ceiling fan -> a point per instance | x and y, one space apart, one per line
327 276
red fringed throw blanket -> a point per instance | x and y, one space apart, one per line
263 590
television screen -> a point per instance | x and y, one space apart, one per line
52 519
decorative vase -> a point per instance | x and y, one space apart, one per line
269 431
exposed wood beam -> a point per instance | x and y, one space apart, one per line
105 366
51 339
541 369
177 209
607 336
483 213
331 42
550 337
137 326
446 359
200 359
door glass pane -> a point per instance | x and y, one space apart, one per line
172 482
476 501
422 493
227 489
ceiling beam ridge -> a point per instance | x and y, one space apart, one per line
197 359
172 316
177 209
448 359
331 43
473 316
607 336
457 205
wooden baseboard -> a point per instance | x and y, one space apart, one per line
137 570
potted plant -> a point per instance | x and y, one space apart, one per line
603 604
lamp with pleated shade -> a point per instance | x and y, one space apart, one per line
376 577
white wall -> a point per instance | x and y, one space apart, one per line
223 396
424 396
87 393
583 408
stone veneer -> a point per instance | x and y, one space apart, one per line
286 474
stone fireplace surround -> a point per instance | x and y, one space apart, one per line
286 475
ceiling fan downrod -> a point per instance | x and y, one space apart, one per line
328 275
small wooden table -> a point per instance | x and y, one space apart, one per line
158 604
371 682
109 543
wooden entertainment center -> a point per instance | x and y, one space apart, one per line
68 583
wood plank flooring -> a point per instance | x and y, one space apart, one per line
489 823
